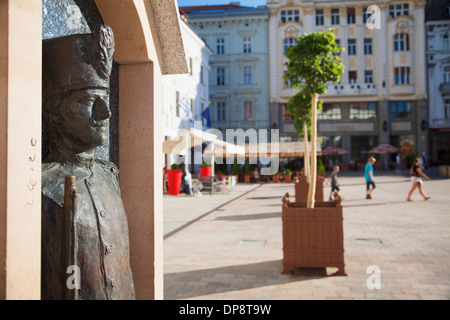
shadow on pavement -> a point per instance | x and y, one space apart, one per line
253 216
197 283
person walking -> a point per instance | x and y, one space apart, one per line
368 174
334 183
416 173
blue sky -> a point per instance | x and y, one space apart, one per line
245 3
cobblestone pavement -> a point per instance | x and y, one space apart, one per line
235 252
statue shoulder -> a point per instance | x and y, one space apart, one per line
53 174
108 166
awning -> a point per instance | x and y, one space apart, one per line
294 149
190 138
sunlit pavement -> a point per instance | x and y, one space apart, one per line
235 252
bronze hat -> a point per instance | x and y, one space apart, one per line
80 61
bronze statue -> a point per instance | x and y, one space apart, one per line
76 71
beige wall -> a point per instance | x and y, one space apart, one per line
20 145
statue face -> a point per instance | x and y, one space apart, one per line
86 116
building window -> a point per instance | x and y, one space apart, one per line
366 15
445 42
352 77
363 110
289 42
368 76
177 100
220 111
290 15
447 109
248 110
287 83
396 10
335 16
220 76
401 75
351 47
247 45
319 17
284 113
401 42
247 75
447 74
202 80
329 111
400 109
220 46
368 46
351 16
338 43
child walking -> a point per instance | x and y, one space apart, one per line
334 183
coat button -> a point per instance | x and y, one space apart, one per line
108 249
113 282
103 213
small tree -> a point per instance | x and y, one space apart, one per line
313 62
299 106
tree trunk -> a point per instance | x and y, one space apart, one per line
306 154
312 184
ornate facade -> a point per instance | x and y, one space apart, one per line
438 62
381 97
239 65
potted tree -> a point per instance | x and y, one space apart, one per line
307 240
287 175
247 171
235 170
205 169
174 175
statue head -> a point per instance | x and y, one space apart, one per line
76 71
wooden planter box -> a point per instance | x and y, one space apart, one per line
247 178
301 190
313 238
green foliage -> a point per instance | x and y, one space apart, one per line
299 106
320 167
205 164
247 167
313 62
287 171
236 168
174 166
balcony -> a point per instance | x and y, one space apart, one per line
444 88
352 89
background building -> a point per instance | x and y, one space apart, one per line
239 64
382 94
186 96
438 59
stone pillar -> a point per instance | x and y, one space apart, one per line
140 90
20 148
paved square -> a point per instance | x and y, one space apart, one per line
204 260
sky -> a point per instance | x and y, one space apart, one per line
245 3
